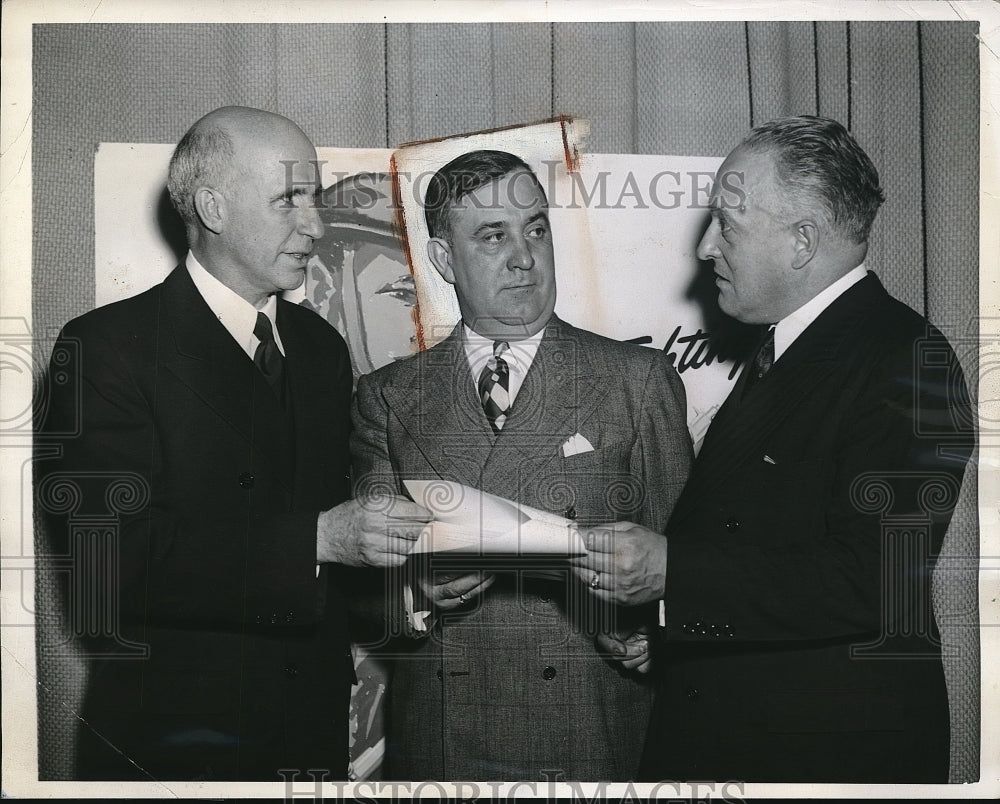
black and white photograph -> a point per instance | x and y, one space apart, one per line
467 400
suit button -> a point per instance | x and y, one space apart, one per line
439 674
570 513
732 525
549 673
291 671
275 619
246 480
290 618
692 694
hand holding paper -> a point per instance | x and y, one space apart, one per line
374 531
625 563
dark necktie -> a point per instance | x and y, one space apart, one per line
494 387
267 358
762 362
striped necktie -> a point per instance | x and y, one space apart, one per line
494 387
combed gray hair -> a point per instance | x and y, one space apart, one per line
203 158
816 158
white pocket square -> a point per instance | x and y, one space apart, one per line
574 445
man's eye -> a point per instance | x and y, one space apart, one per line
493 237
538 232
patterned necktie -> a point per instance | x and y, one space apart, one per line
494 387
268 358
762 362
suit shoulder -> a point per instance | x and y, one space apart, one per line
893 329
614 352
121 320
400 372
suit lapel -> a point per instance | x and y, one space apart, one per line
441 412
742 427
560 390
205 357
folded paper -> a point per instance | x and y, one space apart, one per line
470 521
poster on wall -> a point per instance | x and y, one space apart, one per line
625 229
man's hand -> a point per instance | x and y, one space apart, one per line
375 531
626 563
631 650
448 591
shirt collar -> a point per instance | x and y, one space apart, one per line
794 324
479 349
235 313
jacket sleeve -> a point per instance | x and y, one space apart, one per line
662 455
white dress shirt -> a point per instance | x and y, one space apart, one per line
794 324
237 315
519 356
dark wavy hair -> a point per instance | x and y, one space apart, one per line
463 175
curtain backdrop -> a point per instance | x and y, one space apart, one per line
909 91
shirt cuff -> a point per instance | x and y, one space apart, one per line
663 615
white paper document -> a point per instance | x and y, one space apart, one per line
467 520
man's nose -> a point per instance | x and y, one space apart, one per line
521 257
310 222
708 248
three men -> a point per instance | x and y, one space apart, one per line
213 421
517 403
798 642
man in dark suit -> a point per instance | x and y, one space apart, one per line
797 635
213 419
506 683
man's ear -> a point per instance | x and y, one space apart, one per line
440 253
210 208
805 242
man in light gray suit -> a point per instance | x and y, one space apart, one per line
507 682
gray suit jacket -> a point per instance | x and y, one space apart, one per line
512 686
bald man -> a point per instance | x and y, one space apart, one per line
225 411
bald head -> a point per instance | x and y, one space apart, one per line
245 182
215 150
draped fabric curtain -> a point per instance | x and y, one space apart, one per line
909 91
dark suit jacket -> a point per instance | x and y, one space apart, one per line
211 539
800 643
513 686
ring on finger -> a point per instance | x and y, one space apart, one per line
463 598
595 582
